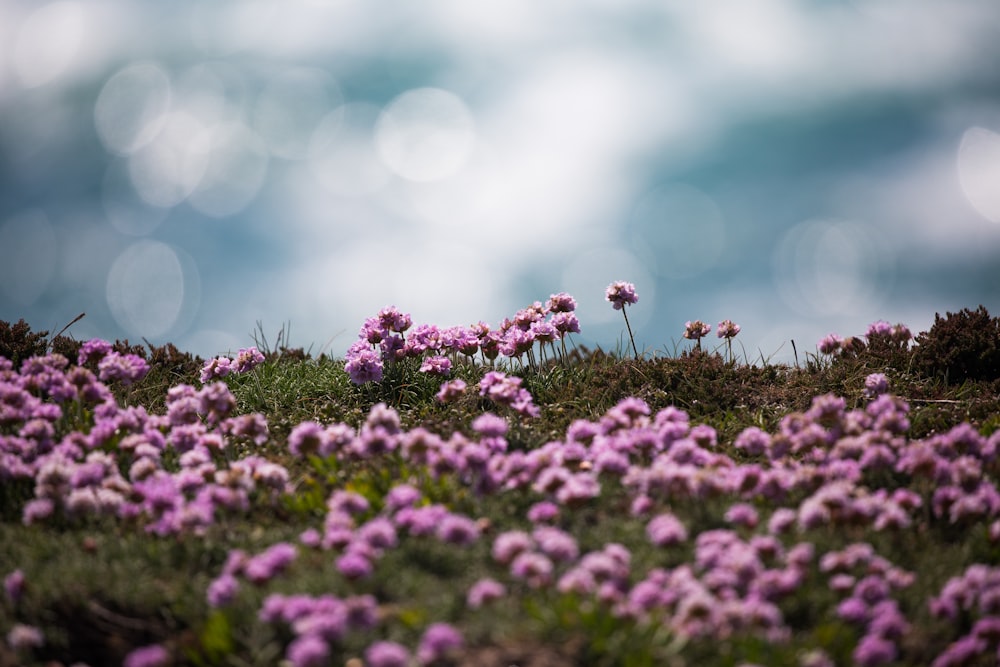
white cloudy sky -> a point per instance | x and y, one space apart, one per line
184 171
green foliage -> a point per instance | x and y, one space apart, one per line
99 587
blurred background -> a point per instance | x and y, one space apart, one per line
190 171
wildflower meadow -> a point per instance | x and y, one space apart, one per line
495 495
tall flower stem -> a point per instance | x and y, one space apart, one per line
630 336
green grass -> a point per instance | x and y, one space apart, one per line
99 588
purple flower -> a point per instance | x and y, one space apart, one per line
94 349
543 511
577 580
421 520
873 650
753 441
354 565
378 533
695 330
436 365
219 367
271 562
560 303
457 529
854 610
830 344
742 514
306 438
504 390
620 293
532 567
508 545
961 652
363 365
400 496
126 368
387 654
727 329
451 390
666 530
392 319
438 640
14 585
490 425
222 591
153 655
308 650
483 592
876 384
247 359
565 323
23 637
556 543
878 329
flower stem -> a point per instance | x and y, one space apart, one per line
630 337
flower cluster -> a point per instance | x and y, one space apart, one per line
880 334
246 360
111 366
775 498
696 330
620 294
116 465
390 337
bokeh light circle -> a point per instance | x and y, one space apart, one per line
132 107
677 230
48 42
128 212
342 154
168 169
425 134
291 106
824 268
236 163
28 252
979 171
145 288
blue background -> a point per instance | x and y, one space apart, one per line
189 171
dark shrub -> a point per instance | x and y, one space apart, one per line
18 342
960 346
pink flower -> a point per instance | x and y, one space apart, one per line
308 650
456 529
14 585
387 654
742 514
436 365
438 640
247 359
219 367
695 330
222 591
666 530
876 384
147 656
483 592
23 637
830 344
620 293
560 303
451 390
727 329
126 368
363 365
